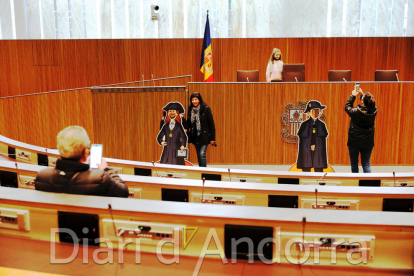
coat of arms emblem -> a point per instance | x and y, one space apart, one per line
292 119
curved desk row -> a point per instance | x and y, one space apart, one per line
398 199
26 153
52 221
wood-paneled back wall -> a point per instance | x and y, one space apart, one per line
248 120
127 124
37 119
248 125
32 66
247 117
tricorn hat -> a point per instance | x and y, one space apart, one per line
312 105
174 106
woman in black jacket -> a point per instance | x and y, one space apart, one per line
201 130
361 129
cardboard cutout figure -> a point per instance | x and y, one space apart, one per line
312 152
172 136
182 118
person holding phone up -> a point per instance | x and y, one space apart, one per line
73 174
361 131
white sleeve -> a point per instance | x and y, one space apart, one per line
268 72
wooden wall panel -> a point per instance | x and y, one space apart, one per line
247 118
37 119
17 68
248 125
111 61
49 78
83 59
46 52
86 63
127 124
168 58
242 54
405 135
361 55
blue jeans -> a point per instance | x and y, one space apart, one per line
365 157
201 154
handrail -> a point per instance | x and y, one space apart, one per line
135 89
72 89
145 81
42 93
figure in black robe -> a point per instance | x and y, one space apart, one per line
312 152
175 139
172 136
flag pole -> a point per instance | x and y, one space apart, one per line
206 64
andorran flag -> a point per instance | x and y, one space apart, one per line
206 66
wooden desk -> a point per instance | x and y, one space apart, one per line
244 193
386 232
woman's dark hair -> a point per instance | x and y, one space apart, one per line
369 102
196 95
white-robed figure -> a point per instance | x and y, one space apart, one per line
275 66
172 135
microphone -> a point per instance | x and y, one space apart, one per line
303 234
248 79
344 79
296 79
152 77
322 177
113 221
397 76
393 173
202 192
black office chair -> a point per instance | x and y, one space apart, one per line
293 72
386 75
247 75
339 75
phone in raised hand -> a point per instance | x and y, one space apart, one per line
357 87
96 156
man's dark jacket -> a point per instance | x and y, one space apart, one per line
320 159
87 182
361 131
